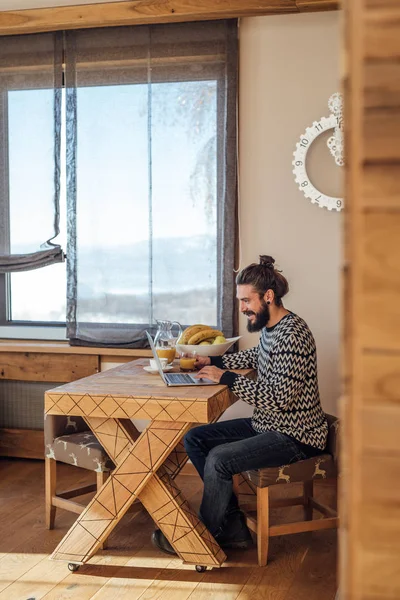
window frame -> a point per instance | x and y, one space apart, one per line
8 326
11 327
57 328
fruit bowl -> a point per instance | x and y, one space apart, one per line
208 350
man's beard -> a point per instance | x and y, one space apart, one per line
261 320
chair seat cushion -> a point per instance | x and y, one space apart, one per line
318 467
81 450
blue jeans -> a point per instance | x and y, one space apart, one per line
221 450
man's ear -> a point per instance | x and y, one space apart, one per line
269 296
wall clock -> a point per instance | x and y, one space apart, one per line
335 144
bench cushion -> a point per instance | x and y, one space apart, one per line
319 467
81 450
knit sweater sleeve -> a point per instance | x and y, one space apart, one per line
282 385
245 359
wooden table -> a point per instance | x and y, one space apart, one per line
146 462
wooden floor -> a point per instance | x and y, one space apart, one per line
301 567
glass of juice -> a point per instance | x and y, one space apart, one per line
187 361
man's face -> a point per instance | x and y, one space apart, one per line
254 307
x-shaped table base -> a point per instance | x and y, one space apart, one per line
145 466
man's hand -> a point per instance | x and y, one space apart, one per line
210 372
202 361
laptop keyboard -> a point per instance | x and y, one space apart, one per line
179 378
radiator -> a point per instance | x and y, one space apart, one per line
22 404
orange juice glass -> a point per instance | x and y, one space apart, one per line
187 361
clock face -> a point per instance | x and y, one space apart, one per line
299 164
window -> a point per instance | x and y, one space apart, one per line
38 295
30 101
163 253
147 178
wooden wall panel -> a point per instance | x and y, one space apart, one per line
383 533
22 443
382 40
139 12
382 3
379 540
370 492
381 135
380 318
378 475
312 6
381 184
381 430
381 378
33 366
382 84
380 577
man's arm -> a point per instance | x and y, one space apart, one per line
281 387
245 359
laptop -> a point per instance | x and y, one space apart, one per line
176 379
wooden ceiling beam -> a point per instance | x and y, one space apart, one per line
140 12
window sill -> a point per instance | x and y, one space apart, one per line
33 332
62 347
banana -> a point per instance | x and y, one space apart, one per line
184 337
190 331
205 334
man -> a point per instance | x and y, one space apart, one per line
288 423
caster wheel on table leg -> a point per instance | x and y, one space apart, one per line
73 567
200 568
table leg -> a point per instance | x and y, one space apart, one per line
174 463
135 476
162 498
137 462
174 516
115 435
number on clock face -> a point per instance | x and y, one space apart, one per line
299 165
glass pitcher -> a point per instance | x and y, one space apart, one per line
165 341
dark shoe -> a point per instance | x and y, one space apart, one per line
160 541
235 533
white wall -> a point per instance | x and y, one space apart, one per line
288 70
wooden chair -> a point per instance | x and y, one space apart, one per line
69 440
250 483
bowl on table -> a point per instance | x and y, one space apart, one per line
209 349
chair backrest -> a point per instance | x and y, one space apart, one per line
332 445
57 425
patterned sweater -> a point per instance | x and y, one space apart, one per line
285 395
